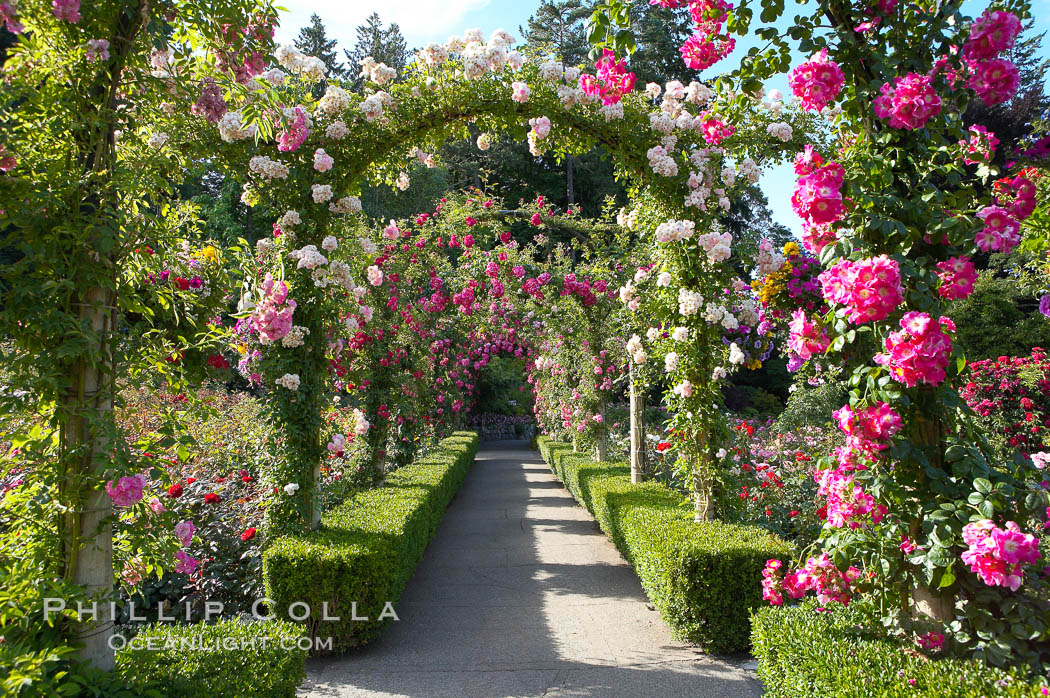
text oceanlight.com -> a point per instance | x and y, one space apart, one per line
224 644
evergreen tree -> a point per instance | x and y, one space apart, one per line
384 45
313 41
557 28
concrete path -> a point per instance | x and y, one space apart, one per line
520 594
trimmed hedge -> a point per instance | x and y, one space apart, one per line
803 652
703 578
228 659
366 549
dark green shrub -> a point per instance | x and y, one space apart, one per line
811 406
366 549
803 652
703 578
228 659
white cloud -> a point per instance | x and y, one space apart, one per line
421 21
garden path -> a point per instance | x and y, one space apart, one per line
520 594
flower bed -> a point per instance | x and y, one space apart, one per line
803 652
703 578
366 549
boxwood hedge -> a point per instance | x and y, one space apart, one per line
704 579
227 659
805 652
366 549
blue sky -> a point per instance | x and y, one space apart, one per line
422 21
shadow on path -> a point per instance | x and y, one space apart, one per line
520 594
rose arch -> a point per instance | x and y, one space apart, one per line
308 158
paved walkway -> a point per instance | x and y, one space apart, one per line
520 594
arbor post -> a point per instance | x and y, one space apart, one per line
637 428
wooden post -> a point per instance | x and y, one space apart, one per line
637 428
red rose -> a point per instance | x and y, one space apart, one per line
191 480
248 534
662 446
219 362
212 498
175 491
183 284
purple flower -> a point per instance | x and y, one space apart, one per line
1044 305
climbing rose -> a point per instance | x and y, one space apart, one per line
981 144
870 289
184 532
185 564
714 130
520 91
1001 232
991 34
127 490
909 103
919 351
868 430
705 48
996 555
817 198
816 82
68 10
807 338
612 81
9 16
1017 195
957 276
210 103
322 160
995 81
289 140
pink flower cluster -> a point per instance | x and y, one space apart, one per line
868 430
957 276
991 34
909 103
1001 232
919 351
713 129
127 490
848 505
1017 195
702 50
68 10
817 82
870 289
981 144
9 16
289 140
612 81
707 45
210 104
819 574
807 337
997 555
994 79
272 318
818 198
